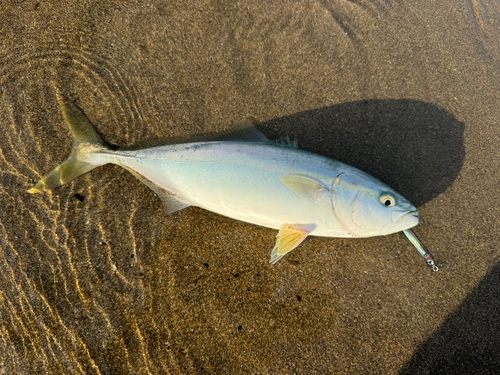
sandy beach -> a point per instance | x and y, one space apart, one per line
96 279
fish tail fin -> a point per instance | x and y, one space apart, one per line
87 144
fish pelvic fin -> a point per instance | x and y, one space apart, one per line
288 238
86 145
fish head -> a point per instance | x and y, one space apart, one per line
367 207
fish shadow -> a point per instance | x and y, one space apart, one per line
468 342
414 147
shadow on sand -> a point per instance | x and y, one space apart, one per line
416 148
469 341
412 146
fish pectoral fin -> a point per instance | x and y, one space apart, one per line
170 203
305 186
288 238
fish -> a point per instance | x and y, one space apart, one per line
243 175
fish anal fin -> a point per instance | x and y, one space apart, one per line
305 186
288 238
170 202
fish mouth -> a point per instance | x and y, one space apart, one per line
402 215
413 213
411 216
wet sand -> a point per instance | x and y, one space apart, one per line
96 279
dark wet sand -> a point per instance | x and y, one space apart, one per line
95 278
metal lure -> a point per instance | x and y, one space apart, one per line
421 248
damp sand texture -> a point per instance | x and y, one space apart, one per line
96 279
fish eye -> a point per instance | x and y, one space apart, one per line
387 200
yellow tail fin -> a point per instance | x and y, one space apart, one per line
86 142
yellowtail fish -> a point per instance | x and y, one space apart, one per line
245 176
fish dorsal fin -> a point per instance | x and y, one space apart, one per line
287 142
170 203
305 186
288 238
244 130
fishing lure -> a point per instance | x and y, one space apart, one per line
421 248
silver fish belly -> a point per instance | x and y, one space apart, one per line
242 180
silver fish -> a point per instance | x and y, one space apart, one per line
245 176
